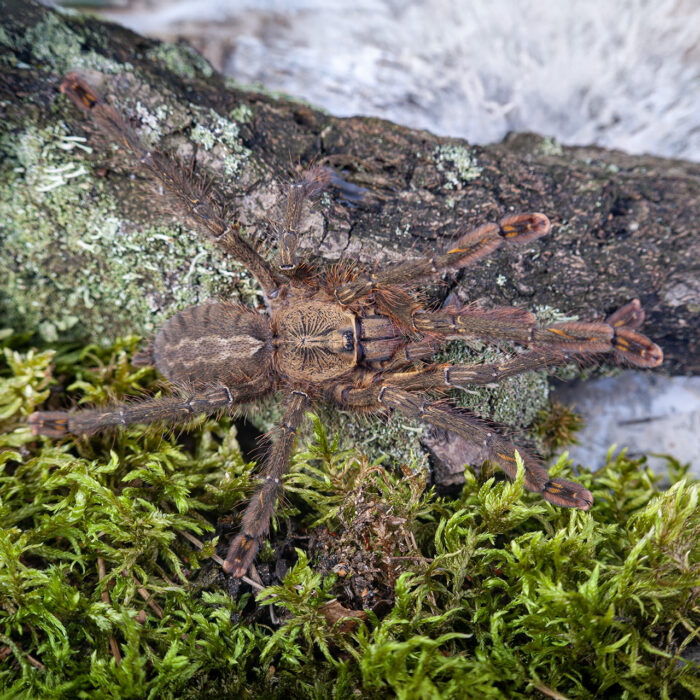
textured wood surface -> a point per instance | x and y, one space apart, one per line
623 226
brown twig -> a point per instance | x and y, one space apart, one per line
148 598
113 646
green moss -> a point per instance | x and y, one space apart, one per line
492 594
556 427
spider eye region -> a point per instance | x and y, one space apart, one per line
349 338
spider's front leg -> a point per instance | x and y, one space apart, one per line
560 492
192 195
256 520
617 334
402 392
312 182
471 246
170 408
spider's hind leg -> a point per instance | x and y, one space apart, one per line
256 520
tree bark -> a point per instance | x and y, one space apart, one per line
623 226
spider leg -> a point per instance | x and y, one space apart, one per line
398 391
616 334
312 182
410 353
192 195
470 247
256 520
169 408
560 492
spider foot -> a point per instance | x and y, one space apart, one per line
630 316
240 555
565 493
523 228
49 423
636 349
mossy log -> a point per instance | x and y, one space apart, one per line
84 253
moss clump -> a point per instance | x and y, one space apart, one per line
493 594
556 427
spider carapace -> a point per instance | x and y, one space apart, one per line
357 339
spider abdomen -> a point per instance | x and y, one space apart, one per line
215 344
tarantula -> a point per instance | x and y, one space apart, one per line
357 339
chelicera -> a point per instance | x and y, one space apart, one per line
360 340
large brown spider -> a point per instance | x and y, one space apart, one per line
356 339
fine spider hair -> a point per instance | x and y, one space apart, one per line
360 340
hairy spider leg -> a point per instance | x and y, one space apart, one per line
192 194
312 182
169 408
630 316
399 392
256 519
630 345
560 492
569 337
471 246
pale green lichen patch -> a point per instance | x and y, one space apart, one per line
213 130
5 38
181 59
74 266
152 121
458 165
549 146
397 439
242 114
54 45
